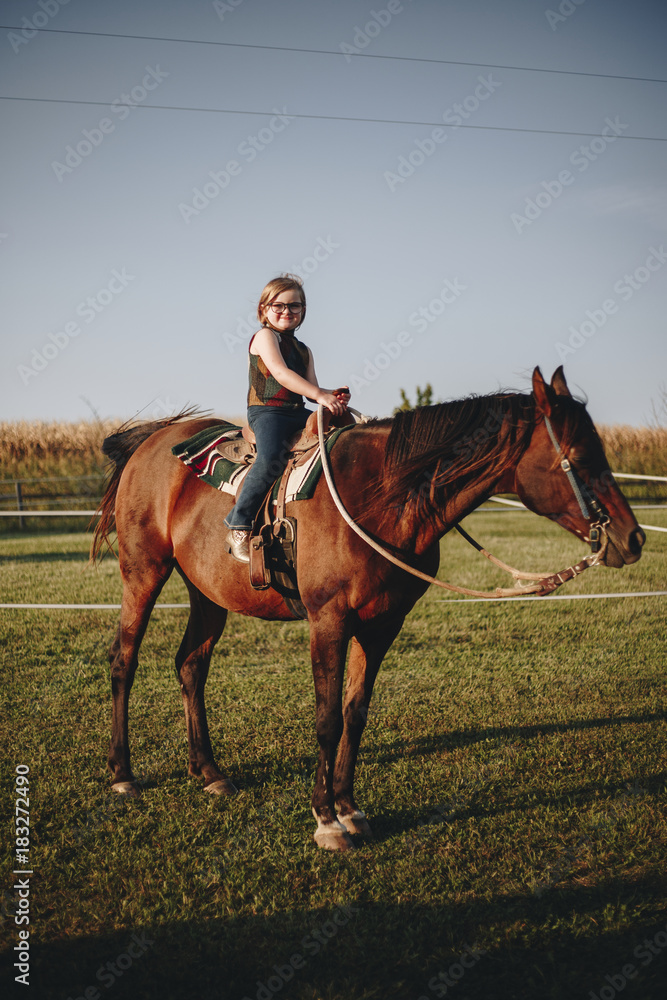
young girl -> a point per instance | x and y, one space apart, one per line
281 372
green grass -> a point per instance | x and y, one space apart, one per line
513 770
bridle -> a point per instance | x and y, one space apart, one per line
589 505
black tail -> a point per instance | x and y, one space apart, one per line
119 447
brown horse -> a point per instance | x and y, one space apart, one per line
407 480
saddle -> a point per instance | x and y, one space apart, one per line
273 537
242 450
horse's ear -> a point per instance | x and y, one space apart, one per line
543 393
558 383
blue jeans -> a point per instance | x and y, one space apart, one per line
273 427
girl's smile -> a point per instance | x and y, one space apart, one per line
285 318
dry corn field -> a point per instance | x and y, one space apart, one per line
30 448
636 449
52 448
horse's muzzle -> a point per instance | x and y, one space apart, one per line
622 552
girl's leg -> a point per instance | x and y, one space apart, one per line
273 427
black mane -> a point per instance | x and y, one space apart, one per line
432 451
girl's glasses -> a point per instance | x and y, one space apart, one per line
292 307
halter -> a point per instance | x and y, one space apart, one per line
585 497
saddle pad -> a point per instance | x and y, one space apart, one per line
200 454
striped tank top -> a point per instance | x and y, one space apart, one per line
263 388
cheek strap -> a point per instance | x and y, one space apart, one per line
578 488
585 497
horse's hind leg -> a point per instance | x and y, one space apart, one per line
205 626
140 591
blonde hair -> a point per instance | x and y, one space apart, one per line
275 287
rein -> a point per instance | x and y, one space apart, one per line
544 583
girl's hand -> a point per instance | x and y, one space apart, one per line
331 401
343 394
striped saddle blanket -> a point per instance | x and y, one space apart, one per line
204 455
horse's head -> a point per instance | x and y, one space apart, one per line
564 475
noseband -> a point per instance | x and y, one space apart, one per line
589 505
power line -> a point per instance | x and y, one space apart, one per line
337 118
333 52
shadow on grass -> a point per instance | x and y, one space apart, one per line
252 773
458 805
366 950
422 746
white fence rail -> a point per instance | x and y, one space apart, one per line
21 511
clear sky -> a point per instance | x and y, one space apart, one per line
460 234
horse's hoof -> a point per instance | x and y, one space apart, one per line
357 823
130 788
223 786
333 837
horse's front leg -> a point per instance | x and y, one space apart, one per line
368 649
328 646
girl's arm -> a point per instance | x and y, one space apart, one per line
265 344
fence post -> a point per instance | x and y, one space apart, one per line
19 503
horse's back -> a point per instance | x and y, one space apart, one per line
155 484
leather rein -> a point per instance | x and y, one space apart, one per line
543 583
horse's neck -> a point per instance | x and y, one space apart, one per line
460 501
462 496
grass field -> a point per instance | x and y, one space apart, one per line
513 770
